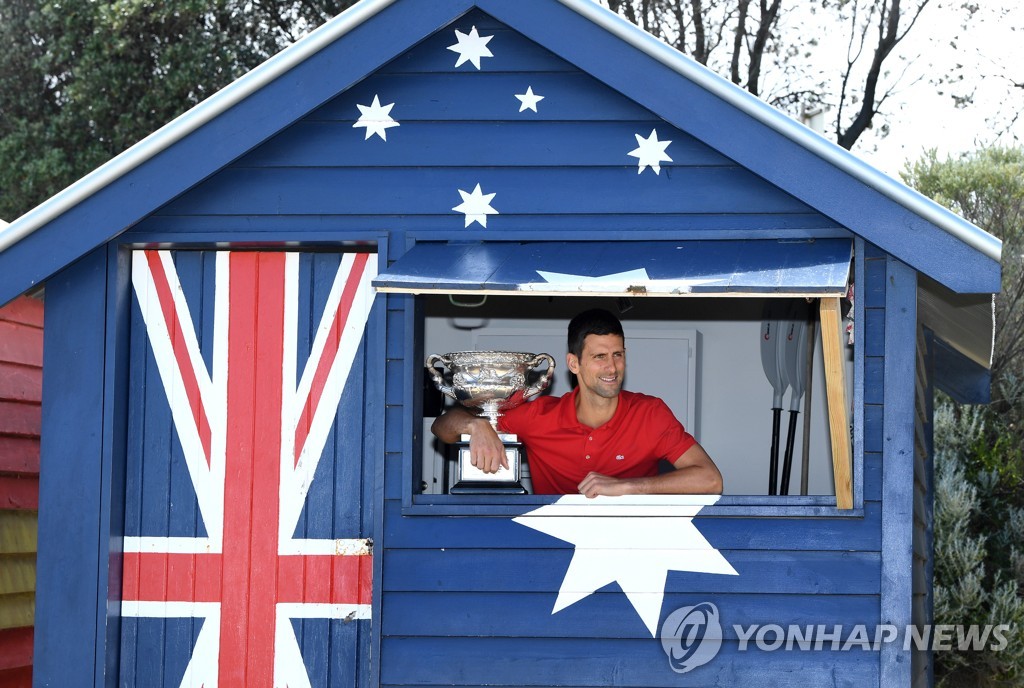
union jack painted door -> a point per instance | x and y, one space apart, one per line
247 559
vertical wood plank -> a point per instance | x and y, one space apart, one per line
112 471
898 464
860 377
69 583
373 427
835 386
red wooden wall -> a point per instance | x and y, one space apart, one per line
21 374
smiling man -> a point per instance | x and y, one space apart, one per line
598 439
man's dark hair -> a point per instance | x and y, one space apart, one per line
595 321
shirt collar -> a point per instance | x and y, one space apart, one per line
567 411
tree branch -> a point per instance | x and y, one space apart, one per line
700 42
889 36
768 16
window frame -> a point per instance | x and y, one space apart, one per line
804 506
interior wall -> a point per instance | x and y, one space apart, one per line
732 418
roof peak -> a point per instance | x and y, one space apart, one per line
237 91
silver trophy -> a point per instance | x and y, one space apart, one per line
492 381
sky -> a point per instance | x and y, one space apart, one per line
923 114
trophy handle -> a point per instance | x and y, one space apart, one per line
544 380
438 379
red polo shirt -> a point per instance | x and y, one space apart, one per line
562 450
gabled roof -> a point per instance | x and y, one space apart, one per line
684 93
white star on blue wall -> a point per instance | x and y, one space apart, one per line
650 152
529 100
476 206
471 47
632 542
376 118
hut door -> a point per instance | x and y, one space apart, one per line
246 558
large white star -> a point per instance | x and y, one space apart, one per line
632 542
476 206
376 118
650 152
573 282
625 282
471 47
529 99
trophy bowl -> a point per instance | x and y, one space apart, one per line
493 381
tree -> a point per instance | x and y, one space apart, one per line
81 80
989 73
979 451
770 50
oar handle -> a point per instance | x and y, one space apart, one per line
787 460
773 461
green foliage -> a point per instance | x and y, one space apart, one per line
979 561
977 557
979 451
82 80
985 187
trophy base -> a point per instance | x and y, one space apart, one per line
471 480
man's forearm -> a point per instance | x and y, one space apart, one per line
689 480
486 451
455 422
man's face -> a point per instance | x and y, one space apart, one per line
601 366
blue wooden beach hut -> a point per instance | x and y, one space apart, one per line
237 485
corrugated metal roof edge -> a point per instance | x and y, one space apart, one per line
249 83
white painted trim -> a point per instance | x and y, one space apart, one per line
170 545
296 477
346 547
205 472
301 610
170 609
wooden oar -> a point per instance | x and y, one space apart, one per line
794 346
773 370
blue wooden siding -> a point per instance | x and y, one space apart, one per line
475 593
466 600
899 398
565 168
73 564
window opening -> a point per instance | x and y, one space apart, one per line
701 355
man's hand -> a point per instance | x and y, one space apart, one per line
695 473
597 484
485 449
